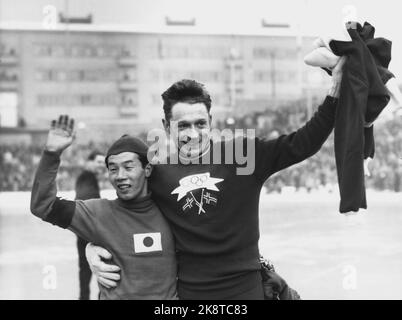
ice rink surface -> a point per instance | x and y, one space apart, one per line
320 252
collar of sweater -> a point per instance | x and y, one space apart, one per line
186 159
140 204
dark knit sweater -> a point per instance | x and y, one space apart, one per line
134 232
213 211
362 97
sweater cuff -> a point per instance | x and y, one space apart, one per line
50 157
328 107
53 154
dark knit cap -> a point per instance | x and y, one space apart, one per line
127 143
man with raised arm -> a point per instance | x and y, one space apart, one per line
130 227
211 208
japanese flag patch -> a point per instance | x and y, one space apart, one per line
147 242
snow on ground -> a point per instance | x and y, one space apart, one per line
320 252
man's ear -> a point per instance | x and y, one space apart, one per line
166 125
148 170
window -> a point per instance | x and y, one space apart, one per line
129 74
60 75
76 100
261 53
100 51
42 50
88 51
76 51
262 76
129 99
58 51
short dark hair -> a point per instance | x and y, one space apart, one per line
189 91
144 161
93 155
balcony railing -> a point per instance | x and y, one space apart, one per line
128 110
128 85
8 60
127 61
8 85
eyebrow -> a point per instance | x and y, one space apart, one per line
195 121
124 162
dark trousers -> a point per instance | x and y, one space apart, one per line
252 281
84 270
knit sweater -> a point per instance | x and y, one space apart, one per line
134 232
213 211
362 97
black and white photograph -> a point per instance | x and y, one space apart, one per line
222 150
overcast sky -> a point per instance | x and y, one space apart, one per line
316 17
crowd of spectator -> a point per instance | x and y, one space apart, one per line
319 171
18 162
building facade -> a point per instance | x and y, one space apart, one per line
111 81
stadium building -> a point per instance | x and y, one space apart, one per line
111 78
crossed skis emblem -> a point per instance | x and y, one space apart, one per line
201 181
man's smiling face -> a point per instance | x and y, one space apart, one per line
193 127
127 175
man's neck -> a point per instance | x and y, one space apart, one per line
139 204
185 157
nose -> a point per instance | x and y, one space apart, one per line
192 133
121 174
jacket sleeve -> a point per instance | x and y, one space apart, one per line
277 154
78 216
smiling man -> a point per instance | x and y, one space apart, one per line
192 135
131 227
213 210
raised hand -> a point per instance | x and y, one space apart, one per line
61 134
